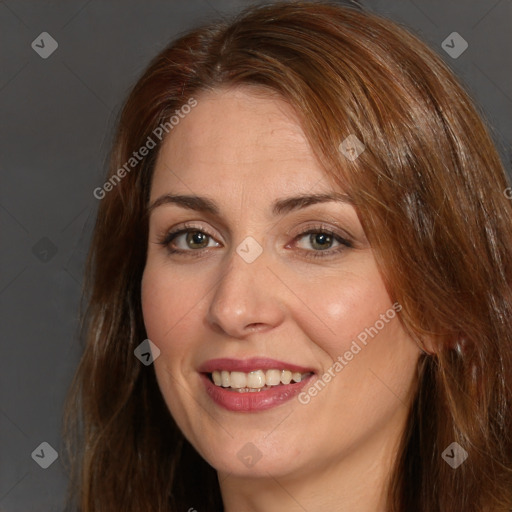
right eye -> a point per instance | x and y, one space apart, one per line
187 240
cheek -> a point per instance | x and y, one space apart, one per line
341 307
366 359
155 305
167 301
165 305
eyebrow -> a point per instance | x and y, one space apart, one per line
280 206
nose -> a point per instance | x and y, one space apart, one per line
246 299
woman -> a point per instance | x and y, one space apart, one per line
305 216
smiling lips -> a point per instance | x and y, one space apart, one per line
252 384
256 380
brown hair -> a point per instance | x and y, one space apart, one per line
429 192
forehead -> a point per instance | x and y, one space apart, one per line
238 139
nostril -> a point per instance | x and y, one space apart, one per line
256 326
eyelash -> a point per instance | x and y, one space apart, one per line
168 237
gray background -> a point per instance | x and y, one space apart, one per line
57 118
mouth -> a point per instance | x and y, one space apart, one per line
252 385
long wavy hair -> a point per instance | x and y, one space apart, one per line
429 191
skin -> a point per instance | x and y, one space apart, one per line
244 150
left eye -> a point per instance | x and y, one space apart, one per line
318 241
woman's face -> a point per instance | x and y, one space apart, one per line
257 273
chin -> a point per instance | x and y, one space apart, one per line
254 456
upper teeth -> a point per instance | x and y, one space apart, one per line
256 379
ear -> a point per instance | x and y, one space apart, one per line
427 345
431 345
424 343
